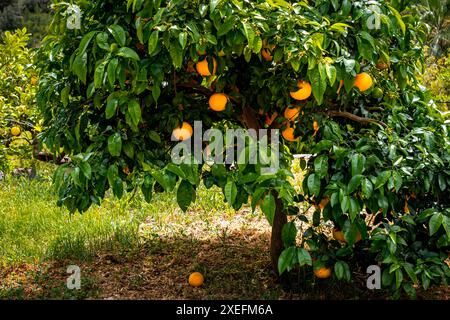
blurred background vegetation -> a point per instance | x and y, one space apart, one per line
31 14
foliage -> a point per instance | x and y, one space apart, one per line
436 77
17 97
112 92
30 14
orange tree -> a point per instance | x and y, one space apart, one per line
18 84
336 77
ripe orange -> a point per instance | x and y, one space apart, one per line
266 54
303 92
315 126
196 279
218 102
341 84
288 134
323 203
270 120
203 68
182 133
292 113
339 236
34 80
363 81
323 273
15 131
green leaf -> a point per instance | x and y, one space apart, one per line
182 39
318 83
115 144
367 188
153 42
118 33
185 195
85 167
111 108
176 53
314 184
268 206
84 43
226 26
213 4
321 166
400 22
230 192
303 257
98 75
331 73
342 270
134 109
79 66
128 53
435 223
286 259
288 234
112 66
358 162
249 33
354 183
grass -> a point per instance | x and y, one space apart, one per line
129 249
33 229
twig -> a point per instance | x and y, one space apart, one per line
351 116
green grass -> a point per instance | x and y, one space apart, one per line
34 229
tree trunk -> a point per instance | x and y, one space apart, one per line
276 241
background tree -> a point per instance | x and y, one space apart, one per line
337 86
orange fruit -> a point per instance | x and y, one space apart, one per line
292 113
203 68
270 120
323 273
218 102
196 279
363 81
315 126
288 134
341 84
303 92
15 131
182 133
266 54
323 203
34 80
339 236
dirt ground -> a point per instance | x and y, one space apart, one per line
235 263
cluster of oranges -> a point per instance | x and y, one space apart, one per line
218 101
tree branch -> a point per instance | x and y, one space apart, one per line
351 116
